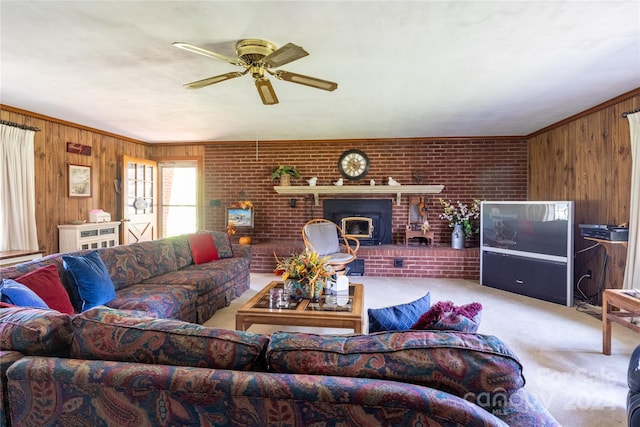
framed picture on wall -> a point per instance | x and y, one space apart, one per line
240 217
79 181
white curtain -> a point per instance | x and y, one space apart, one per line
632 270
17 190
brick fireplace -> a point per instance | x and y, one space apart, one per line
490 169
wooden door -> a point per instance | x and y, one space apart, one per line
139 200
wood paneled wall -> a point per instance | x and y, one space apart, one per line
53 206
587 158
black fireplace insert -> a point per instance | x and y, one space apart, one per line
369 220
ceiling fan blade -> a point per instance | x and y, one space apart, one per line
205 52
287 53
305 80
266 92
213 80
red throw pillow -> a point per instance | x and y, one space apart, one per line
45 282
203 248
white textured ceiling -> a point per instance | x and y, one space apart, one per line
404 69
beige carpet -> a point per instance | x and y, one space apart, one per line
559 347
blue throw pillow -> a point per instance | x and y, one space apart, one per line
399 317
18 294
91 279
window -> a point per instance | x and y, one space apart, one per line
179 197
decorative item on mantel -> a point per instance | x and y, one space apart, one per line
305 274
461 218
285 173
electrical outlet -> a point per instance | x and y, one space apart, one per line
589 274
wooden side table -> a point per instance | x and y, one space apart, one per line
628 301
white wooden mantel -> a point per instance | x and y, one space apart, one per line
398 190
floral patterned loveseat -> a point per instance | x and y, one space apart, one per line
106 367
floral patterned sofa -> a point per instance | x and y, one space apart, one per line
160 276
107 367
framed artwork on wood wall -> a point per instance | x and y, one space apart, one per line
79 181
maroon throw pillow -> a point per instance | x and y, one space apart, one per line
445 315
45 282
203 248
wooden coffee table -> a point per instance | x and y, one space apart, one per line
628 301
303 312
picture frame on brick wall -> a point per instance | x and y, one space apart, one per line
240 217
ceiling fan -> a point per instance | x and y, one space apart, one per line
257 56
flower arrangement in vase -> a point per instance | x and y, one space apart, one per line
304 274
461 214
285 173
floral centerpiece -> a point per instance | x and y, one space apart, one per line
304 274
461 214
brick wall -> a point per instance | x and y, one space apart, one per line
494 169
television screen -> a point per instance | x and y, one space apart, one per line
541 229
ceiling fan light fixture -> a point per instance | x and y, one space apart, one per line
257 56
266 92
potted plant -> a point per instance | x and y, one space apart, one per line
285 173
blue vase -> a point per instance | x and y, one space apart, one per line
457 237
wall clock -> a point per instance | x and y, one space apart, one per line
353 164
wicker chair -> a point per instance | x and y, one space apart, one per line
323 236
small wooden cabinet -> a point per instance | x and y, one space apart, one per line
88 236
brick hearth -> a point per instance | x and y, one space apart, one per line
418 261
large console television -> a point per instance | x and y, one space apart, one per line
526 247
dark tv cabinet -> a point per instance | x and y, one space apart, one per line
527 248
